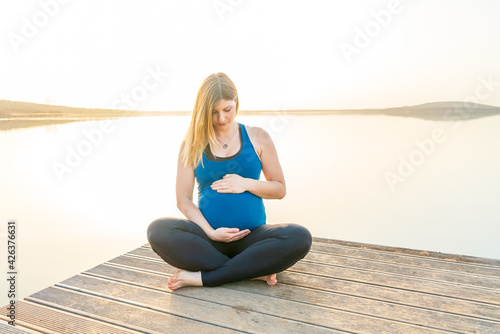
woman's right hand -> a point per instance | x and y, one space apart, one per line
224 234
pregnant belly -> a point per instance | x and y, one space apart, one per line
242 211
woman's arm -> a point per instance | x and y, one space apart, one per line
184 187
273 188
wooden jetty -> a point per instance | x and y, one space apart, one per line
340 287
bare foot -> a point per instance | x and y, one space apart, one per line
271 279
184 278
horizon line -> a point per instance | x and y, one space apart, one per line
259 110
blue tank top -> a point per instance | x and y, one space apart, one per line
243 211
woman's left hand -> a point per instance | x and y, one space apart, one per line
230 183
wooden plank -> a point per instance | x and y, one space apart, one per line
409 283
390 294
50 320
407 259
138 318
308 297
422 253
450 276
401 312
5 328
384 267
216 313
378 292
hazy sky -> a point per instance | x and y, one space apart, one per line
319 54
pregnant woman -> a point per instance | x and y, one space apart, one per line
225 237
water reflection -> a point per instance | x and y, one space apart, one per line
334 166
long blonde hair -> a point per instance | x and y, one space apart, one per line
214 88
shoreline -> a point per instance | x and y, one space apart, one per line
17 115
23 121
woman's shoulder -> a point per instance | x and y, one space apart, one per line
256 132
259 137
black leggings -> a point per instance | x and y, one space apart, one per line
267 250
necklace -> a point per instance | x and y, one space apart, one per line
225 145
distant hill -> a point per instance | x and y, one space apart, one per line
437 111
444 111
15 109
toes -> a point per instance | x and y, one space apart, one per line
271 280
175 284
173 278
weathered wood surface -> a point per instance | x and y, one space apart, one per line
54 319
339 287
5 328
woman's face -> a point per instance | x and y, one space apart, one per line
223 114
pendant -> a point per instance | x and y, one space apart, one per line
224 146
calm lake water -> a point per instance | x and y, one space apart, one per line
83 193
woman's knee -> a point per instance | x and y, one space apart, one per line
300 237
159 228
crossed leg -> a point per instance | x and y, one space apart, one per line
267 250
